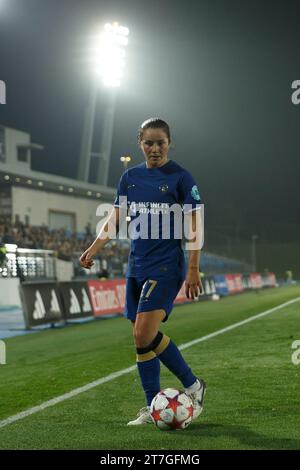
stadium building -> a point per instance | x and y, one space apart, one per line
41 201
38 198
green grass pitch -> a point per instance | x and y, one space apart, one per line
252 399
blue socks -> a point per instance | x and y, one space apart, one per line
149 371
148 364
171 357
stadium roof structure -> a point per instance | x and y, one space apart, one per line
15 169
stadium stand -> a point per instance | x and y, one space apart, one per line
68 246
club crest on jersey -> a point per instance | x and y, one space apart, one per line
195 193
163 188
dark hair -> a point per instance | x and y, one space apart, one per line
154 123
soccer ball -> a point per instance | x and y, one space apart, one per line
171 409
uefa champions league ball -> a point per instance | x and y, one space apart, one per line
171 409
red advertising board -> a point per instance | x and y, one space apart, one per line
107 296
269 280
234 283
255 281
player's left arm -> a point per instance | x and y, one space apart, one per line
193 284
193 210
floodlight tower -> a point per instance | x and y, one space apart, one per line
109 62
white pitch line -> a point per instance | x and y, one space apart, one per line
236 325
115 375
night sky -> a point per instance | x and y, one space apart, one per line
219 72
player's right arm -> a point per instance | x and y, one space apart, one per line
111 225
86 259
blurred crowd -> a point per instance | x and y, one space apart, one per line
65 244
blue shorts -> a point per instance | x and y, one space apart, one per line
147 294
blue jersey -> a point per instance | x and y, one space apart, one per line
150 193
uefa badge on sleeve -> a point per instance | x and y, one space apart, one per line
195 193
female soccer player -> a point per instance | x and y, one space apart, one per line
156 264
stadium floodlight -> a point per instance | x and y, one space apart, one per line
108 62
125 160
110 53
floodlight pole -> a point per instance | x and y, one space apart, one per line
106 136
106 140
87 135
